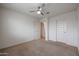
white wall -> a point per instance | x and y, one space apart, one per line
78 24
17 28
69 21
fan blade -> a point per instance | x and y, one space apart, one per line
48 12
32 11
39 7
42 13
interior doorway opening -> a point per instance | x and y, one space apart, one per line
42 31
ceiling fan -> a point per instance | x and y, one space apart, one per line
40 10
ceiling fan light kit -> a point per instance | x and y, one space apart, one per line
40 10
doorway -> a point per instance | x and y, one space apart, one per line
42 31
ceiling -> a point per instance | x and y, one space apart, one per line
53 8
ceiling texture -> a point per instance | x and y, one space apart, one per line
53 8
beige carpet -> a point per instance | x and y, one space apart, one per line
40 48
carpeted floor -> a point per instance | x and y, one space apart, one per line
40 48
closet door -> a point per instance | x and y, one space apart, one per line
60 30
